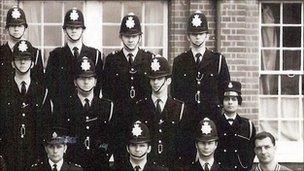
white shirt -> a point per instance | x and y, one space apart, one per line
82 99
194 52
27 83
11 45
141 164
230 117
78 45
59 164
210 162
134 53
162 102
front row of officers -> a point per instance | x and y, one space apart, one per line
161 136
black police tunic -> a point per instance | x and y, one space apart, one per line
236 144
45 166
202 87
164 129
93 131
60 72
196 166
148 167
24 118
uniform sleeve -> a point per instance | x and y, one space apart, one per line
174 79
99 72
51 82
224 77
106 85
39 67
251 153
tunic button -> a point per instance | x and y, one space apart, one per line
132 86
116 74
173 122
145 73
87 117
235 166
68 119
87 127
132 78
234 134
160 130
224 150
185 75
105 121
225 134
23 114
61 67
159 141
235 150
146 121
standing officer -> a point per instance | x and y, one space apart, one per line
126 78
206 144
62 60
16 26
162 114
24 106
55 142
236 133
89 118
199 74
139 147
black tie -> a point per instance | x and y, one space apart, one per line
158 109
198 59
206 168
230 121
86 104
54 167
130 58
76 53
137 168
23 88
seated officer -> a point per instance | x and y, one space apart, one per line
55 144
265 149
206 144
24 105
161 114
236 133
89 118
138 148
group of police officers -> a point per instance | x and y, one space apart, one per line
87 113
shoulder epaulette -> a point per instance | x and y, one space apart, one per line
77 165
142 100
114 52
37 164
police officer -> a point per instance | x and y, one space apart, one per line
89 118
24 106
199 74
162 114
62 60
55 141
139 147
16 26
126 78
236 133
206 144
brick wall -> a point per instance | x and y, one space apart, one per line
4 6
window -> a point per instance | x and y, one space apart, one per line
102 20
282 76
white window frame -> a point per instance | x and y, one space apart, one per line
287 151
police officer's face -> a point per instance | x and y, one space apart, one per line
230 104
86 83
265 150
159 84
198 39
16 31
206 148
138 151
74 33
131 42
22 65
55 152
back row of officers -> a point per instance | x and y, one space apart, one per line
117 114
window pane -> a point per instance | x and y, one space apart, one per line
71 4
268 84
269 108
270 13
291 60
292 13
292 36
52 36
270 60
290 108
154 12
135 7
270 36
110 36
33 34
52 12
290 131
153 35
32 16
270 126
111 12
290 84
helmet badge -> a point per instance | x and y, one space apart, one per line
130 22
85 65
196 21
230 85
155 65
206 128
74 15
16 13
22 46
136 131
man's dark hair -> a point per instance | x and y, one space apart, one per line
263 135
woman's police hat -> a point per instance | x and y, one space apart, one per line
234 88
57 135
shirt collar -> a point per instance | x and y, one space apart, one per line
141 164
134 53
59 164
210 162
90 97
10 45
27 81
163 99
230 117
194 52
72 45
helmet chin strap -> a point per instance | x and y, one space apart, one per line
87 91
139 156
161 86
72 38
21 71
128 47
16 37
